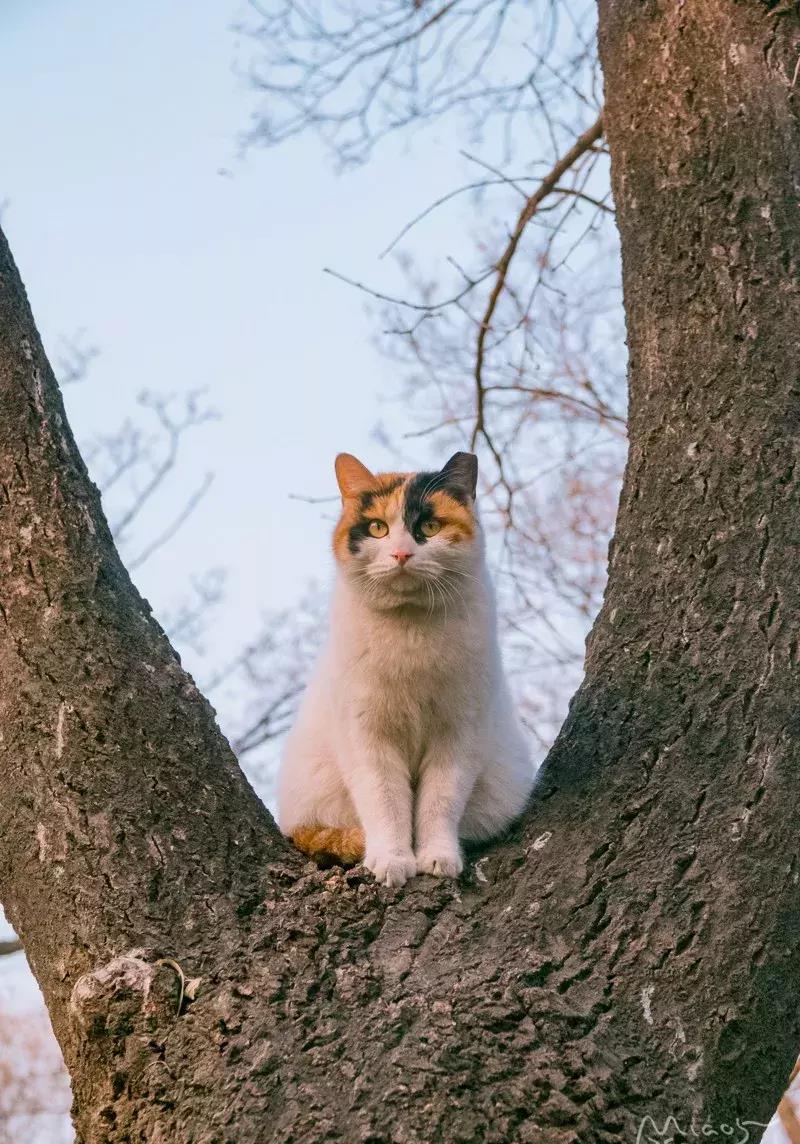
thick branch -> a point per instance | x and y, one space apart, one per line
122 808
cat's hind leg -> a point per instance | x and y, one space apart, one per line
501 793
315 810
330 845
317 814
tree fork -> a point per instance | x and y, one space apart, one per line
632 950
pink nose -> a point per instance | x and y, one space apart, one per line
402 557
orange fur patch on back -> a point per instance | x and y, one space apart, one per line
330 845
458 521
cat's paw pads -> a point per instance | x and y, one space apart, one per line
391 868
441 861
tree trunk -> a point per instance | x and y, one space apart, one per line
632 950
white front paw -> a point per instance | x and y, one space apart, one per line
442 859
390 867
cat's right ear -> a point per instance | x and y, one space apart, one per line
353 477
460 474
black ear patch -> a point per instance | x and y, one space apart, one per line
460 476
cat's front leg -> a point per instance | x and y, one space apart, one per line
380 786
444 787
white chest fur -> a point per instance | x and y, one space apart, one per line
408 731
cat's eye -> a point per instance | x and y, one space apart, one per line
430 527
378 528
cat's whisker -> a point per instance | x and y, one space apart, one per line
453 594
463 574
438 587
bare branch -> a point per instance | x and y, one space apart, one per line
479 185
175 525
185 623
265 679
271 724
581 145
359 72
74 358
174 428
424 307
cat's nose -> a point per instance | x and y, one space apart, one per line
402 557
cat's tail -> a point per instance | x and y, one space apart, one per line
330 845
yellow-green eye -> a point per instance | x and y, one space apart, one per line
378 528
430 527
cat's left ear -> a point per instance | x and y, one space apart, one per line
353 477
461 474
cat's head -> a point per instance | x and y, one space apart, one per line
406 538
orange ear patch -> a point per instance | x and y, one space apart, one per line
458 521
353 477
330 845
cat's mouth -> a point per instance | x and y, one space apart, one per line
402 580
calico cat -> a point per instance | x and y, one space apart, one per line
406 739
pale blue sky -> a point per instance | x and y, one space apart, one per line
118 125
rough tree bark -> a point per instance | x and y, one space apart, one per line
633 949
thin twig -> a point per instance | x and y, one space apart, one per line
427 307
174 526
